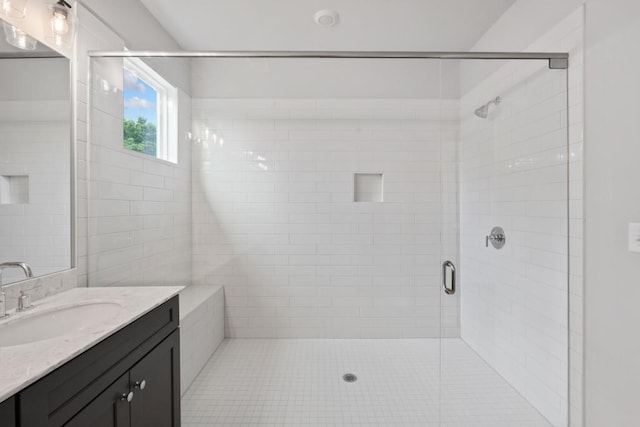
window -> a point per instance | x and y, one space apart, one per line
150 112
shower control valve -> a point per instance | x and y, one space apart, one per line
497 238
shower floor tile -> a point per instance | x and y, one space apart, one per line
269 382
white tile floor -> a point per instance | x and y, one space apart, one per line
253 382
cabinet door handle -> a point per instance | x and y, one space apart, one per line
140 384
127 396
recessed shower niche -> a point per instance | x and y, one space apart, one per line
14 189
368 187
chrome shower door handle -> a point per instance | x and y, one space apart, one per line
449 265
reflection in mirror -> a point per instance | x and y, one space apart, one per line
35 161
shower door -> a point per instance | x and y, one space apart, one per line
504 246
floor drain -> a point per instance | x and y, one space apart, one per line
349 378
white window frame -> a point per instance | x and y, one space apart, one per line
167 108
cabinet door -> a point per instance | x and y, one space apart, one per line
8 412
155 381
109 409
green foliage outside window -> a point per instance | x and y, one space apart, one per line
140 135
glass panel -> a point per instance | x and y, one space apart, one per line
282 149
314 195
509 363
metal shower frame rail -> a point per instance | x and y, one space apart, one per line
557 60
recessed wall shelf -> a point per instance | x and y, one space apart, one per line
14 189
367 187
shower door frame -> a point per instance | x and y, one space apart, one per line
556 61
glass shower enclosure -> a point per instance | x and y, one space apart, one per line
352 195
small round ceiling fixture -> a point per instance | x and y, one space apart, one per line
326 18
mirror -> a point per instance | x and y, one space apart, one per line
35 158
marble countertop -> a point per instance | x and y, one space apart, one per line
22 365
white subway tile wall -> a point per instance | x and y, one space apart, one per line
36 214
276 224
513 173
139 206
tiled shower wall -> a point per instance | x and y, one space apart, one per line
139 206
513 173
276 224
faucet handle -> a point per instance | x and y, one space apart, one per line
3 304
24 302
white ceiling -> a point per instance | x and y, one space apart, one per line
428 25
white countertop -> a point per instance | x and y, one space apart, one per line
22 365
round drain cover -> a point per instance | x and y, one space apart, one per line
349 378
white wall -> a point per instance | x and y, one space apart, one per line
133 23
612 291
518 27
275 222
325 78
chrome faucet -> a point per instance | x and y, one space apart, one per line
23 265
3 297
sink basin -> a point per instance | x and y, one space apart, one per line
55 323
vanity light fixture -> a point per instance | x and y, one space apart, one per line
60 25
14 8
18 38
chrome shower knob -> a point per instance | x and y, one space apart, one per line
497 238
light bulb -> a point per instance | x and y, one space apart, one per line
59 23
60 28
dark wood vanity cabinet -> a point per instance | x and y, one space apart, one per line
141 397
131 379
8 413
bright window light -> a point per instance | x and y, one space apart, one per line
150 112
